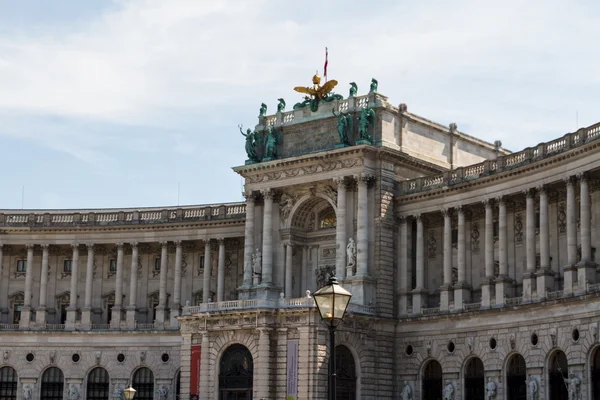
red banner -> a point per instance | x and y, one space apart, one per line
195 371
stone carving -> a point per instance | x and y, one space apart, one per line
512 342
562 218
353 89
286 205
5 355
98 356
428 346
142 356
271 141
344 126
184 265
403 107
163 392
490 389
553 338
328 252
52 356
331 194
431 244
118 392
475 236
373 87
406 393
518 228
263 110
73 392
532 389
351 254
365 121
323 274
257 263
448 390
27 392
470 344
280 105
573 384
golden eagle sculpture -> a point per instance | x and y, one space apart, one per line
316 93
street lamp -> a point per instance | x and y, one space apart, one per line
129 393
332 301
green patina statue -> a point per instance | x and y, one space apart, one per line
353 89
374 85
344 126
365 121
281 105
251 142
263 110
271 141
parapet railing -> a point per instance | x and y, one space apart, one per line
41 218
302 302
503 162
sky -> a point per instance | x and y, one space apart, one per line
137 103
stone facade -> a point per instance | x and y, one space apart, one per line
473 272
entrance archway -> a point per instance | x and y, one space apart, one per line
8 383
236 374
516 376
346 374
432 381
595 374
558 370
474 380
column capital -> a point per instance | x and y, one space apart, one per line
541 188
582 176
446 212
267 194
488 203
364 178
568 180
90 246
529 193
287 243
418 217
340 181
119 246
460 210
133 245
178 243
164 243
45 246
401 218
30 246
250 196
75 246
501 200
221 241
207 240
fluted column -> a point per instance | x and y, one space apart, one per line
161 310
115 321
207 271
26 310
177 277
528 276
486 285
570 270
503 281
249 239
586 268
462 292
362 226
340 229
288 270
403 282
72 309
133 274
545 275
419 292
267 251
40 314
86 311
445 290
221 270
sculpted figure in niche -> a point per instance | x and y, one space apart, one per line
490 389
27 392
344 126
73 392
572 383
406 392
257 263
532 388
351 253
163 392
448 390
287 202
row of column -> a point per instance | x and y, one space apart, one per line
86 315
579 273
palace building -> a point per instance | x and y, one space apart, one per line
472 271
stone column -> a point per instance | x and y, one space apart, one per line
306 275
570 271
528 276
176 308
161 309
205 365
115 320
40 314
133 274
267 250
403 283
221 271
503 281
288 270
486 284
445 290
72 309
586 268
249 240
262 381
545 275
207 271
340 229
362 226
419 292
26 310
462 289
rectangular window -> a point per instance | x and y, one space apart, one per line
454 237
113 265
67 266
157 264
21 265
496 229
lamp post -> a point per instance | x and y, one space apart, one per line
332 301
129 393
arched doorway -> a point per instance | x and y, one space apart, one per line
558 370
8 383
98 386
474 380
178 386
143 383
345 370
595 374
53 383
236 374
432 381
516 376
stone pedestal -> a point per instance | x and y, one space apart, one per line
71 318
175 312
419 300
570 278
462 294
86 318
528 289
130 317
25 320
40 317
586 274
115 319
403 303
260 292
446 295
362 289
487 292
161 315
503 286
544 283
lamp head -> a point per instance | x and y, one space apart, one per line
332 301
129 393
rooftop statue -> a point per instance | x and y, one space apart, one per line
365 121
281 105
374 84
271 141
344 126
317 93
263 110
353 89
251 141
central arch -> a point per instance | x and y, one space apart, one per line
236 374
432 381
516 376
558 371
595 373
474 379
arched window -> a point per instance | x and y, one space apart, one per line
516 374
474 380
143 383
8 383
345 368
236 374
558 371
98 387
432 381
53 383
596 374
327 218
